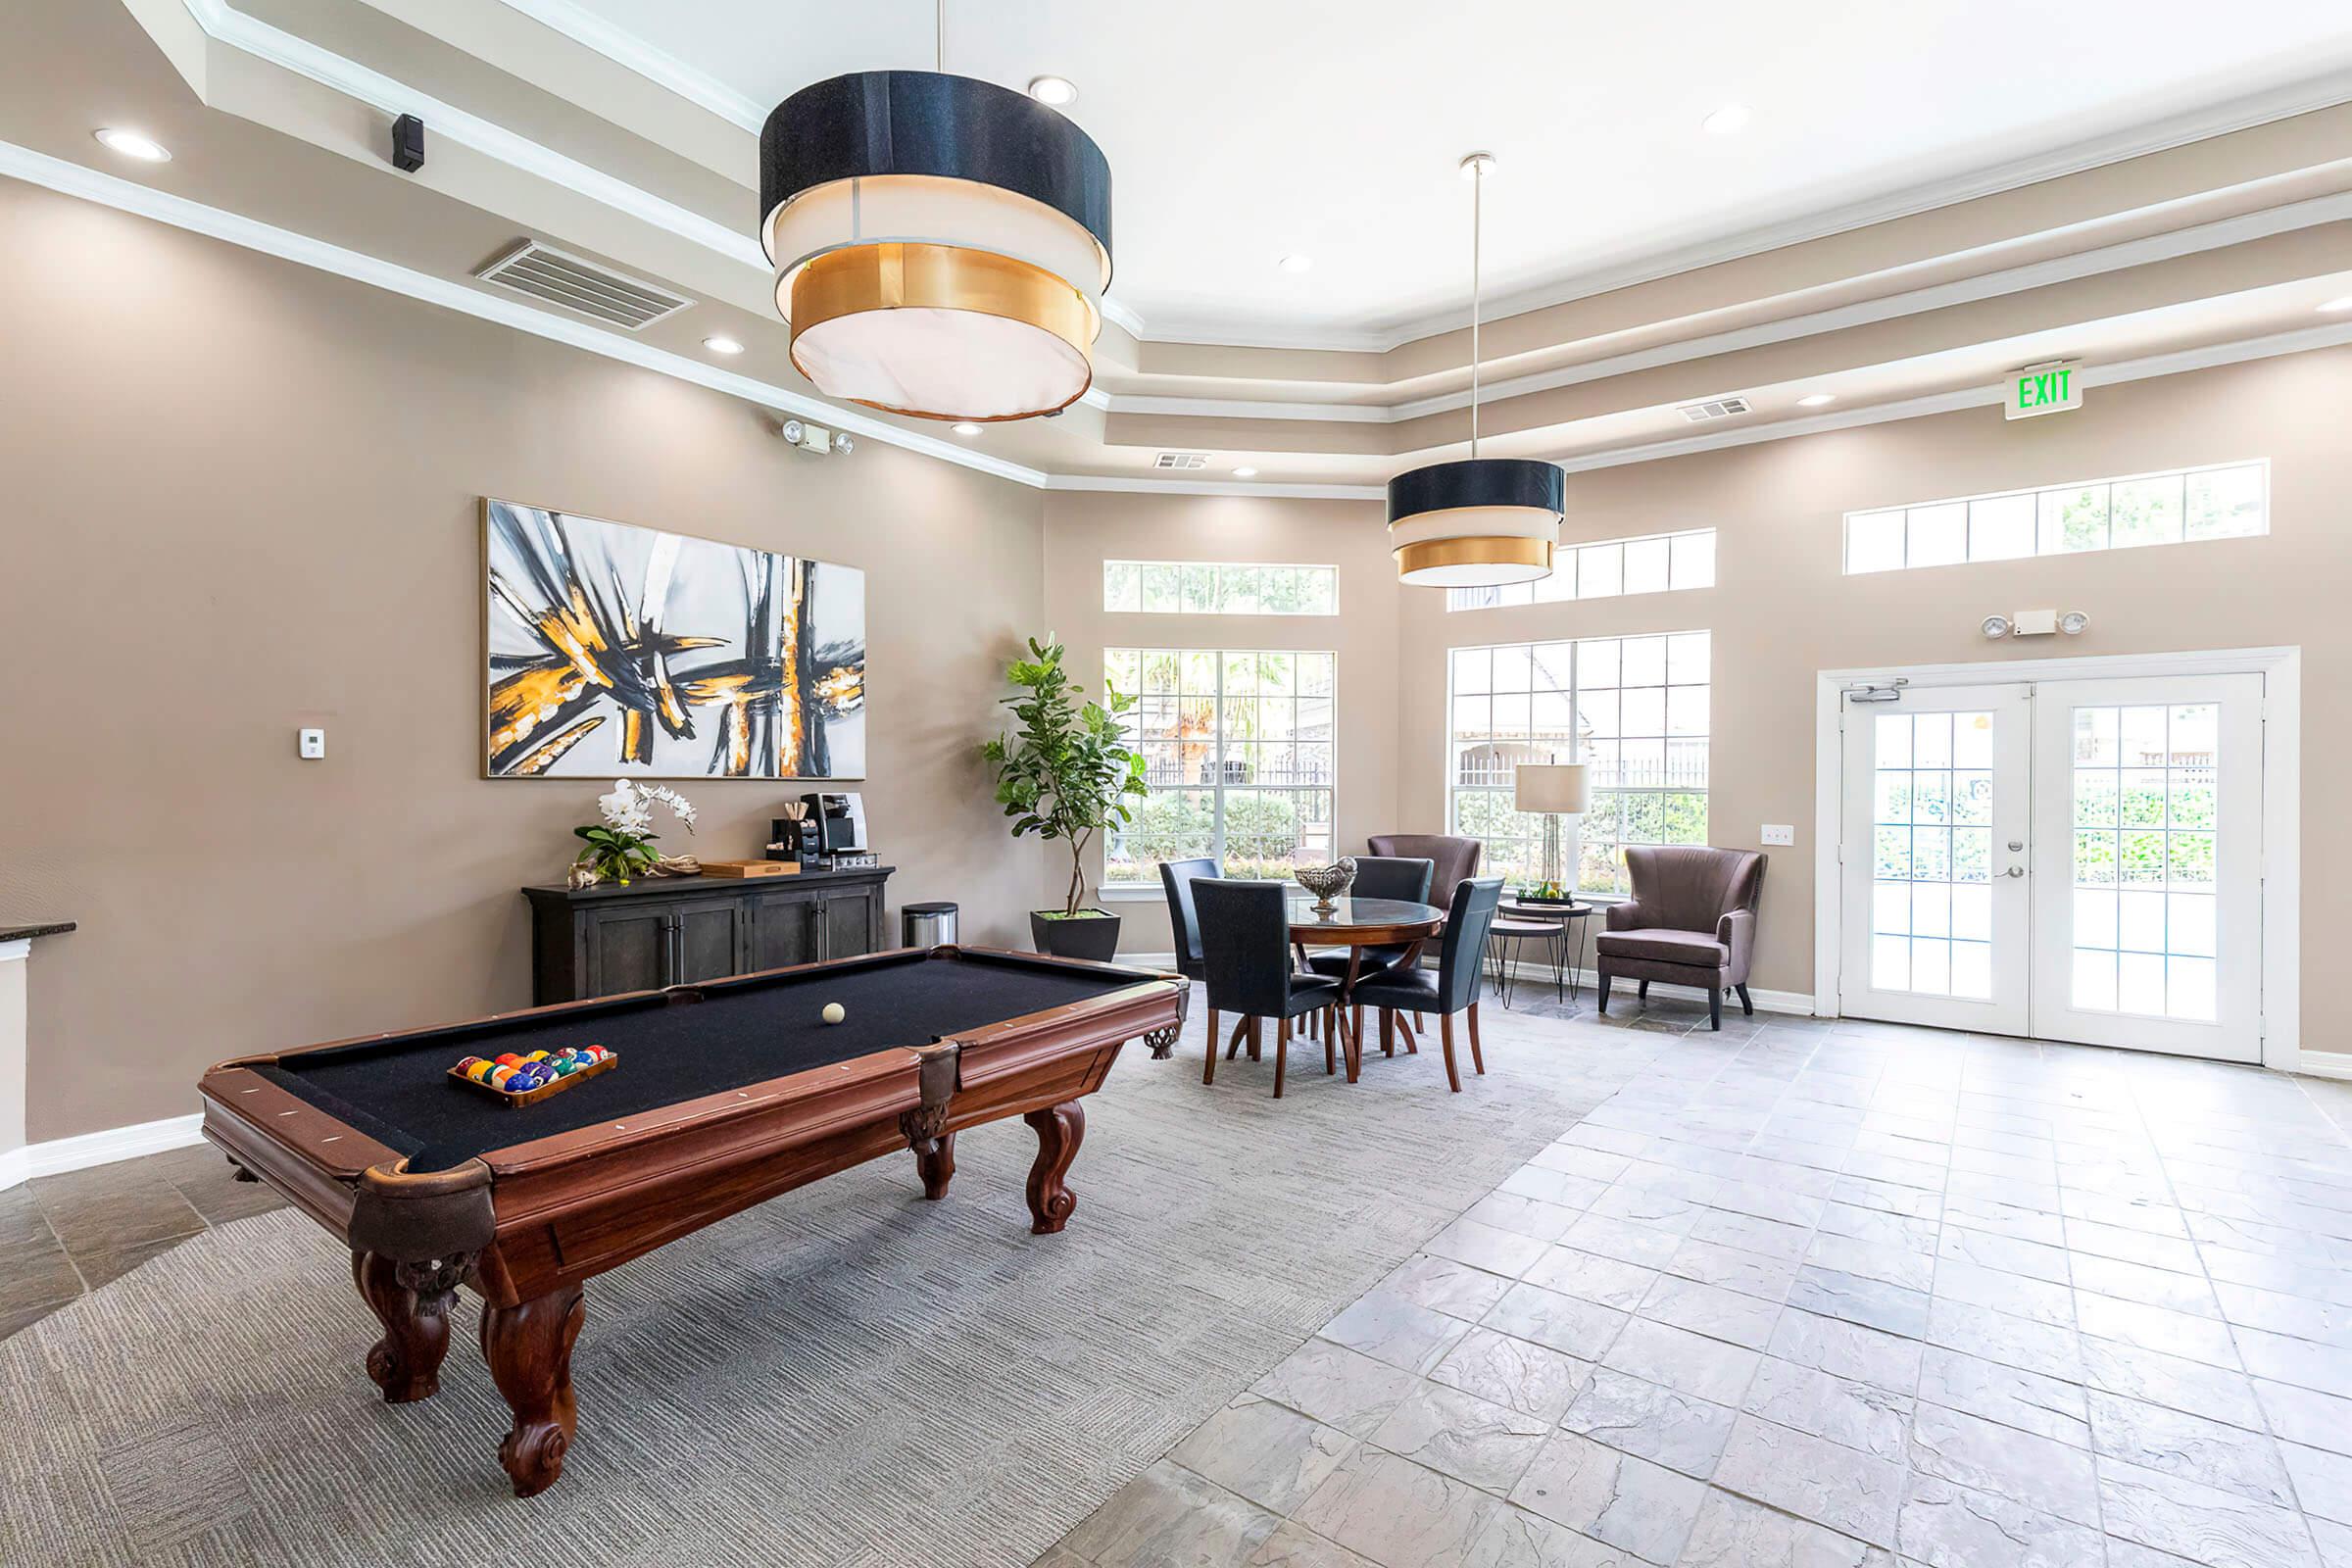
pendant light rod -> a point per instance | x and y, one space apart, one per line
1475 169
939 37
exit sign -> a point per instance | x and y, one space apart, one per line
2041 389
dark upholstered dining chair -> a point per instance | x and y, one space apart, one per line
1176 878
1245 944
1692 922
1378 876
1454 988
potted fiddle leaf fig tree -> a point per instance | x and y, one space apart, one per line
1065 774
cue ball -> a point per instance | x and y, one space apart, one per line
834 1012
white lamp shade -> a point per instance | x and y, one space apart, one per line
941 363
1550 789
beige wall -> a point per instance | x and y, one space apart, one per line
1784 610
1084 530
240 497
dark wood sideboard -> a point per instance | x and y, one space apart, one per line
670 931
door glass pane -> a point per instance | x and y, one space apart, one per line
2145 905
1930 898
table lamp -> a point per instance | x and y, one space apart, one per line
1551 791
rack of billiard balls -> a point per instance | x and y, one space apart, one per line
519 1080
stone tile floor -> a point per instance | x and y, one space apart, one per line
1805 1295
61 1236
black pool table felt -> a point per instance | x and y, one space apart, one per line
399 1090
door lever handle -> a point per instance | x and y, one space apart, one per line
2015 870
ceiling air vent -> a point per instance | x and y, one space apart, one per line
1718 409
560 277
1181 459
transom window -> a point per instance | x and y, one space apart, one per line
1219 588
1238 750
2231 501
1634 710
1605 569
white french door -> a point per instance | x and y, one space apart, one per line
2147 919
1937 814
2071 859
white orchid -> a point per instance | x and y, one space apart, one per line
621 847
624 811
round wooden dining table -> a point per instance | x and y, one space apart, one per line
1358 924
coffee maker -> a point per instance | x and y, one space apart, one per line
840 818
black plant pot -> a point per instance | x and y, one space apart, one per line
1093 934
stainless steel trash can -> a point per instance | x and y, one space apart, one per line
927 925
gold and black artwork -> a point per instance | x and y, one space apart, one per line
617 651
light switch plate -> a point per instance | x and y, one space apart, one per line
312 742
1779 833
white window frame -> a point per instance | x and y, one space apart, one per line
1217 567
1573 837
1566 582
2037 496
1219 788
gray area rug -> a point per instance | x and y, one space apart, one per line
847 1376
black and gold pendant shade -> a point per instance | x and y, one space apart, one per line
941 244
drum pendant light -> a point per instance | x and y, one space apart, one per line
1485 521
941 243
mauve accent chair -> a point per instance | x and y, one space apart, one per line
1453 861
1692 922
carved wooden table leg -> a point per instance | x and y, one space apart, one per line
935 1162
529 1351
406 1363
1060 1129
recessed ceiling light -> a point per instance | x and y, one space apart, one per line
1296 263
1054 90
965 428
1724 120
2334 306
723 345
130 144
1245 473
1817 400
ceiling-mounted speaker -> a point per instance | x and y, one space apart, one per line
408 144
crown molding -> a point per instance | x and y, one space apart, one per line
2218 235
625 48
144 201
234 29
1125 484
2178 130
2177 363
225 24
109 190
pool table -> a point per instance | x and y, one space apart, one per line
725 1094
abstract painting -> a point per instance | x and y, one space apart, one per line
615 650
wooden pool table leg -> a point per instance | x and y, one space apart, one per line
406 1363
936 1164
529 1351
1060 1130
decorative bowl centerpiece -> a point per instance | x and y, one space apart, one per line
1328 883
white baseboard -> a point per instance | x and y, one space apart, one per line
1800 1003
20 1165
2324 1065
